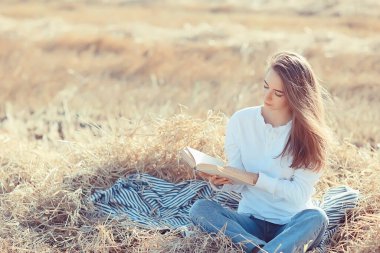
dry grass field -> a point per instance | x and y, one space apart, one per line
93 90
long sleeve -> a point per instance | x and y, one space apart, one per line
254 146
232 151
297 190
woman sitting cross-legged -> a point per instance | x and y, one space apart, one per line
283 145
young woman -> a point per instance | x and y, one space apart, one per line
282 144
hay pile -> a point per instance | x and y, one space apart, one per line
43 192
79 81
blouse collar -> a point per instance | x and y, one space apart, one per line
268 125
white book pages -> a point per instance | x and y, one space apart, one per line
202 158
214 166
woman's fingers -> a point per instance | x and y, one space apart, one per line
216 180
219 180
228 181
204 175
225 181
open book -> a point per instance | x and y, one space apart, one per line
214 166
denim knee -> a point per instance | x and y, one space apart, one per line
318 216
201 207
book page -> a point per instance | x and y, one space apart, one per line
187 157
214 166
201 157
237 176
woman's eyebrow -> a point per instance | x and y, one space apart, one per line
274 89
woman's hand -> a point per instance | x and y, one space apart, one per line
214 179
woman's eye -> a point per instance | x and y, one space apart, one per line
278 94
266 86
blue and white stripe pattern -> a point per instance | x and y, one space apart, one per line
336 202
154 203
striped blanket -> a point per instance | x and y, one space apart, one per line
154 203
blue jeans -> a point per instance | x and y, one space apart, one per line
303 232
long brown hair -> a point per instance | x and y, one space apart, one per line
309 135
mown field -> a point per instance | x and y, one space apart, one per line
91 91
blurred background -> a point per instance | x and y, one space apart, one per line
71 70
93 90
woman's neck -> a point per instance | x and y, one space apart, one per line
276 117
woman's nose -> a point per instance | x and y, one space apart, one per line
268 94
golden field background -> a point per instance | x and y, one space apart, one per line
93 90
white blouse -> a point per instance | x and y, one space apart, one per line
252 145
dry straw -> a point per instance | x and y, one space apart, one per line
43 194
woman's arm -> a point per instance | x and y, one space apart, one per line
231 144
232 150
297 190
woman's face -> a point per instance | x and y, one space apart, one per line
274 95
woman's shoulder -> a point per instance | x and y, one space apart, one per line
246 113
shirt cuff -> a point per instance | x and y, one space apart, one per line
227 188
233 187
215 188
266 183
